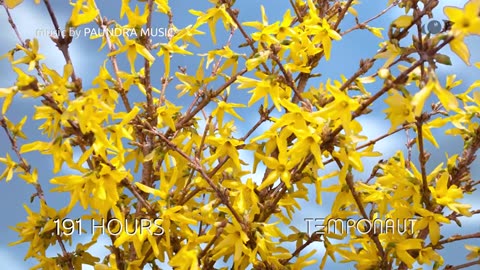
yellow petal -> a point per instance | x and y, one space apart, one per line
460 49
148 189
419 99
12 3
403 21
434 230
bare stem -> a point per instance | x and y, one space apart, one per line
364 24
461 266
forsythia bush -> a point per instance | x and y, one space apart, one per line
167 176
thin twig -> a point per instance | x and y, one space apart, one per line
363 24
113 59
423 161
38 187
461 266
62 42
198 167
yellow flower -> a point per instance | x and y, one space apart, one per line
365 256
167 50
181 218
267 86
32 56
91 188
132 48
8 94
475 252
166 115
186 258
225 146
136 20
12 3
187 35
427 255
447 99
16 130
342 107
257 60
284 28
280 168
39 228
447 195
10 167
391 52
324 33
466 21
192 84
459 47
211 17
26 83
89 12
226 107
402 248
233 239
399 110
267 31
246 200
296 117
431 220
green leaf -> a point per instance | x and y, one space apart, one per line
443 59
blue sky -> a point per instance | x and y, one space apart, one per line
87 60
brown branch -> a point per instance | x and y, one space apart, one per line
263 117
137 194
457 237
38 187
374 141
197 156
195 164
342 14
63 44
363 24
297 12
458 172
281 188
288 76
467 158
234 15
214 239
146 138
113 60
67 256
420 46
147 80
422 157
312 238
21 40
115 250
358 201
206 100
461 266
454 215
